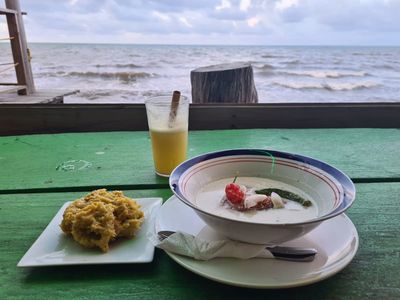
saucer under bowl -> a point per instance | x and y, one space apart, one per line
330 190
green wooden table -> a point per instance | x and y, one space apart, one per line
38 173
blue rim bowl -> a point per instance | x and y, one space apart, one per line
220 164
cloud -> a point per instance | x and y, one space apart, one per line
285 4
225 4
342 15
185 22
245 5
207 21
162 16
252 22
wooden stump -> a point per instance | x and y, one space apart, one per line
224 83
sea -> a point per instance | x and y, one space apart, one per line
108 73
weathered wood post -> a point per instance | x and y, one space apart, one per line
224 83
19 47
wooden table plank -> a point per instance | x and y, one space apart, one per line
39 96
124 158
372 273
11 88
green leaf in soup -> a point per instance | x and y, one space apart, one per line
285 194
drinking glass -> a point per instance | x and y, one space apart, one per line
168 126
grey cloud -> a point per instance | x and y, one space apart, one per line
309 19
182 5
228 14
347 15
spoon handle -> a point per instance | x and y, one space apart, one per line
293 253
284 253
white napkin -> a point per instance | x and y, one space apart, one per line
188 245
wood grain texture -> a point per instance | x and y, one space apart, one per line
372 274
6 89
39 96
224 83
124 158
5 11
19 47
58 118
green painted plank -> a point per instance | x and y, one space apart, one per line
124 158
373 272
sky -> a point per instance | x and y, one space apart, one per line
228 22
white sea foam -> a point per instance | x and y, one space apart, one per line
131 73
122 76
327 86
264 67
128 65
326 73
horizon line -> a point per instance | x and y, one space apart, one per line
224 45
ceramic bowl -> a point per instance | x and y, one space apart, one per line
330 190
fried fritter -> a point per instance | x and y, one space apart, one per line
101 217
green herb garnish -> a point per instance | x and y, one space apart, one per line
286 194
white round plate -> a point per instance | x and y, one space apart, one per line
336 241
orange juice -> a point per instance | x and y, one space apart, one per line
169 148
169 135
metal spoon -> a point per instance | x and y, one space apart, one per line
279 252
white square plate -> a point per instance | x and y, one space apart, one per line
54 248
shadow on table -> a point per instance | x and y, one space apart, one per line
162 278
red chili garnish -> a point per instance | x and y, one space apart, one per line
234 194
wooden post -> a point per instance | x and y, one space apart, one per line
19 47
222 83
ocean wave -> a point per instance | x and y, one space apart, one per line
99 95
272 56
54 67
386 67
122 76
118 66
93 95
326 74
264 67
292 62
49 74
327 86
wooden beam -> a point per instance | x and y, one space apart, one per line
40 96
54 118
19 47
6 11
7 39
11 88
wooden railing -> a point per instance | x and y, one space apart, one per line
18 119
20 51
